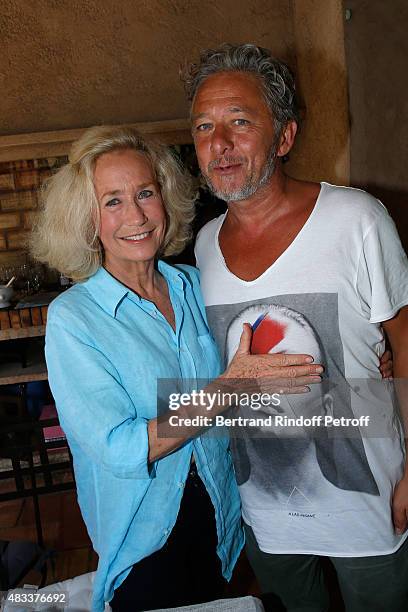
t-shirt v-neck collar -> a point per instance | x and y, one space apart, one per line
288 249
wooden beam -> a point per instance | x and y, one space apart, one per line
54 144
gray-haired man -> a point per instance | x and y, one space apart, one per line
331 254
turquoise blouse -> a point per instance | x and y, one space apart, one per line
105 349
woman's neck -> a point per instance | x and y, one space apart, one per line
141 277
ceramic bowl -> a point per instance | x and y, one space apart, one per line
6 293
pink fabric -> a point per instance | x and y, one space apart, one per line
54 432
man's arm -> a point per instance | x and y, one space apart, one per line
397 332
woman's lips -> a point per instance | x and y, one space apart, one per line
140 237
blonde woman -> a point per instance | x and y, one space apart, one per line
163 513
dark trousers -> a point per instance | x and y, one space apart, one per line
187 570
295 583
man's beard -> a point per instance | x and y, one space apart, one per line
251 185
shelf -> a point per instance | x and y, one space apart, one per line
13 373
24 332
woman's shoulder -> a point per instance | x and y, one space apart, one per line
72 304
190 272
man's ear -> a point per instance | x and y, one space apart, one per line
287 138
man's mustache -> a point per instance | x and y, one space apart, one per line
225 161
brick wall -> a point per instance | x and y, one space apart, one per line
19 185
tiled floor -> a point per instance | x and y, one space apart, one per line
65 533
63 529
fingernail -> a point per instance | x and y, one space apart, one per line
399 531
319 369
309 360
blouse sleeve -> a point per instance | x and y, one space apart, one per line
95 410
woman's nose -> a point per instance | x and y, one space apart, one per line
135 215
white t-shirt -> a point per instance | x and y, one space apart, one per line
319 489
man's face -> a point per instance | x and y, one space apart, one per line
234 135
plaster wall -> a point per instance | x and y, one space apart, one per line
322 148
75 63
377 51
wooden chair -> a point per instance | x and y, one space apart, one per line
22 441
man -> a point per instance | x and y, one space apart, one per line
332 255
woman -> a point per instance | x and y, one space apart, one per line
118 205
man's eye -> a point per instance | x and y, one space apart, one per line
203 127
145 193
112 202
241 122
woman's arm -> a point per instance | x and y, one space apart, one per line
95 410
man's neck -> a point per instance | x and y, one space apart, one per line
257 231
269 202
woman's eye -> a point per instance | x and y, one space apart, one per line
145 193
112 202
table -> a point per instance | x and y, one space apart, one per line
26 320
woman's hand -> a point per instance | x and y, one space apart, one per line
284 373
246 374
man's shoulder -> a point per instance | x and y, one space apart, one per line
353 202
209 230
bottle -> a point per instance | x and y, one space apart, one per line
64 281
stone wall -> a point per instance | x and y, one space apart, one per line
20 182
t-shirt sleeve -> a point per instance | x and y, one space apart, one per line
382 277
95 410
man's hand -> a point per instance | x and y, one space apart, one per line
282 372
386 365
400 506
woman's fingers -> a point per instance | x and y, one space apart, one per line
244 347
276 370
283 385
271 369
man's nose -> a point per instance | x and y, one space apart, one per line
221 140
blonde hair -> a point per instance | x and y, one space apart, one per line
65 236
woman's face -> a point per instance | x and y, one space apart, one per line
133 220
